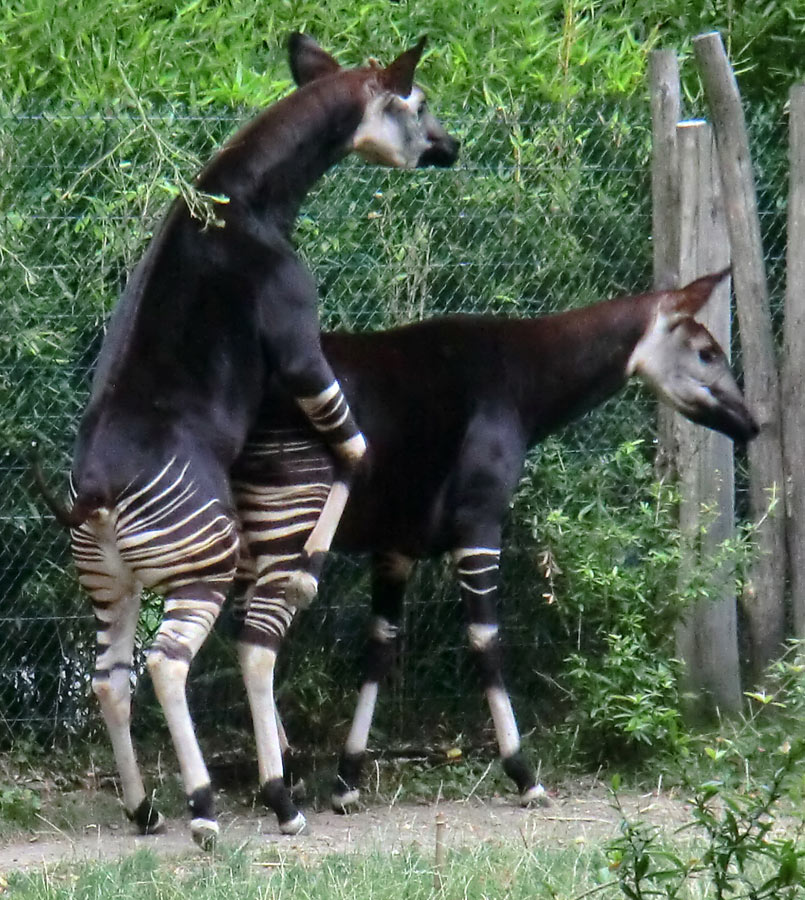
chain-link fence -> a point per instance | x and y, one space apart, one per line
543 212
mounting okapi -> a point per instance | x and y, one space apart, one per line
450 407
207 316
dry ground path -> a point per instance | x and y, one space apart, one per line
583 814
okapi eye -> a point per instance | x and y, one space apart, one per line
707 355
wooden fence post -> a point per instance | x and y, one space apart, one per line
793 375
665 114
707 639
765 595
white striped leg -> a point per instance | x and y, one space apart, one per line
478 574
257 663
117 622
330 415
116 603
188 618
276 520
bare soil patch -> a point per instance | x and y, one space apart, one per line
579 814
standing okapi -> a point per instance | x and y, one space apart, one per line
450 407
208 315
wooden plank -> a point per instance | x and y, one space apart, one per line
708 638
666 105
793 373
764 597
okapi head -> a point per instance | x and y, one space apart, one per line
397 128
685 366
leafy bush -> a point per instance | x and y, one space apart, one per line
745 837
609 555
19 806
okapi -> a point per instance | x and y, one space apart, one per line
207 316
450 407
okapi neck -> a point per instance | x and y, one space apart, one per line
580 358
269 166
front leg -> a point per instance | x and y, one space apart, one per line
329 413
390 574
478 574
292 343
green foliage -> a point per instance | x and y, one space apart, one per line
746 825
627 699
610 552
745 841
19 807
504 53
486 872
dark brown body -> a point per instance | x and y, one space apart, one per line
450 407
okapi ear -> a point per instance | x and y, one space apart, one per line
399 75
308 61
687 301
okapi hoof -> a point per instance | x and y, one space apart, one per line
147 818
345 803
296 825
535 796
205 833
301 589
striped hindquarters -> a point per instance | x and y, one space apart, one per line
162 534
280 485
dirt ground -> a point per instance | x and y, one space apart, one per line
578 814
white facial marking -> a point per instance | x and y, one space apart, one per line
390 132
679 361
649 347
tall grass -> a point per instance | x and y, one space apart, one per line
482 51
483 872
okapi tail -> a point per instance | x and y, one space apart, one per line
67 518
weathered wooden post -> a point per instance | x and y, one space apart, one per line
707 638
665 114
765 597
793 374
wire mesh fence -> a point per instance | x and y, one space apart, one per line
544 211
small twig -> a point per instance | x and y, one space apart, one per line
438 868
477 784
100 161
594 890
55 828
576 819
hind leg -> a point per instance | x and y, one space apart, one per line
257 663
190 613
266 622
111 684
276 522
116 604
478 571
